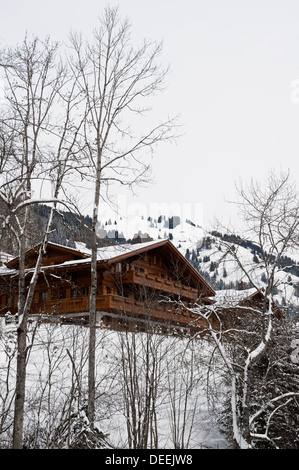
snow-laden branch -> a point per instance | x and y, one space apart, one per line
213 316
29 202
270 403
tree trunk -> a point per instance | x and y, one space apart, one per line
20 386
21 345
92 309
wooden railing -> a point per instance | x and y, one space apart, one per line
116 305
159 283
131 307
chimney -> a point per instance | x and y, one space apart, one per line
141 238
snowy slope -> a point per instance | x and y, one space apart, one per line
50 377
208 254
184 234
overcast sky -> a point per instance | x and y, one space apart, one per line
234 81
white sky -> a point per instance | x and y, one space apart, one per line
234 66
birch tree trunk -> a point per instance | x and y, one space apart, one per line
246 332
117 81
41 147
92 308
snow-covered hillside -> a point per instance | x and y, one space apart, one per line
207 252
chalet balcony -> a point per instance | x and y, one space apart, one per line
134 308
159 283
114 304
63 286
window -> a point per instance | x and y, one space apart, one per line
75 292
78 292
84 291
43 296
62 293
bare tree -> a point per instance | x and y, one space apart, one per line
142 356
183 393
37 147
118 81
248 335
271 212
8 346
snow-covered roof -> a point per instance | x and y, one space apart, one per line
110 252
4 258
80 247
4 270
13 261
105 253
232 296
115 253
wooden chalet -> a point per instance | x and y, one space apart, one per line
137 284
235 307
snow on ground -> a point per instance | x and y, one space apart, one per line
52 343
51 369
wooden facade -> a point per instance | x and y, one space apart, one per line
138 284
